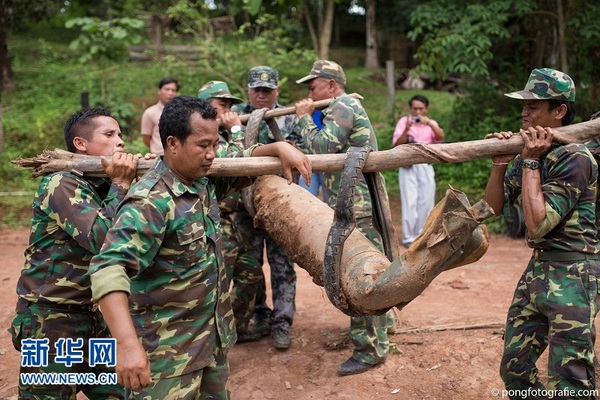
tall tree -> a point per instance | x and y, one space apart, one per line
562 40
371 60
320 34
7 79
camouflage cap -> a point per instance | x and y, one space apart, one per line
325 69
263 76
217 90
546 84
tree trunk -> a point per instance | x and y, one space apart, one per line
594 54
311 27
326 30
562 41
540 46
368 281
1 127
371 60
156 31
7 79
320 15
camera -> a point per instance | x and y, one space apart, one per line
416 119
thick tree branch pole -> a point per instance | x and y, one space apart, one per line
281 111
400 156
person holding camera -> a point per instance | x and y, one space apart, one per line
417 182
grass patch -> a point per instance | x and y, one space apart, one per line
16 211
49 87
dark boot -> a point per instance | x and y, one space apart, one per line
352 366
281 339
250 336
262 327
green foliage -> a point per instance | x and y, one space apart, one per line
587 23
481 110
122 111
16 211
104 41
23 14
457 35
229 57
190 16
253 6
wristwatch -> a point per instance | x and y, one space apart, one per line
531 164
236 128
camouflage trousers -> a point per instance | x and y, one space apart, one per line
369 334
233 245
37 321
210 382
283 275
554 306
243 271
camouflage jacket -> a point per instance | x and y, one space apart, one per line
569 177
71 216
234 201
286 124
345 124
594 148
165 250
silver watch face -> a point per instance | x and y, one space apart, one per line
236 129
531 164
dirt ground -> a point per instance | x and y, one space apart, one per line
429 364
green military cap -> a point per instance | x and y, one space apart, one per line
263 76
325 69
546 84
217 90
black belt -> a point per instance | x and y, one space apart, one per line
74 308
554 255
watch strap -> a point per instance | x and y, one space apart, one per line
531 164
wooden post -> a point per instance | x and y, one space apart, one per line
391 87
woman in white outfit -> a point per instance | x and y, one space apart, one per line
417 182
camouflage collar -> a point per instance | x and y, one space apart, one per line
174 184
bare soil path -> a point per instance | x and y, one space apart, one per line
446 364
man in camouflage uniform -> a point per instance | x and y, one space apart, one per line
241 266
159 278
263 90
555 301
71 215
218 95
345 124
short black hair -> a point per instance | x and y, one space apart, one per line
175 118
569 115
79 124
420 98
166 80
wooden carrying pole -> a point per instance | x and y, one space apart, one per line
400 156
281 111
